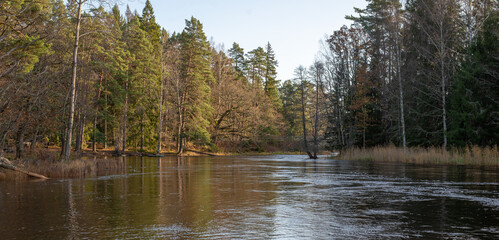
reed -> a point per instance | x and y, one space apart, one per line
472 155
47 163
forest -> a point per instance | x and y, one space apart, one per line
79 75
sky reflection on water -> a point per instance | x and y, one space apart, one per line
262 197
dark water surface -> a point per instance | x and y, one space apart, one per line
264 197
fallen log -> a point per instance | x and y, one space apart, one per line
5 163
194 151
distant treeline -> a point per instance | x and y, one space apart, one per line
73 73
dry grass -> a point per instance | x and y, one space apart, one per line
48 164
473 155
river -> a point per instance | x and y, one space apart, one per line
257 197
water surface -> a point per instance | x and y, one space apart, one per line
264 197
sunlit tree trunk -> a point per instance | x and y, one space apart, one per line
94 133
69 130
125 119
160 110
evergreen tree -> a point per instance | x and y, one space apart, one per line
237 55
148 23
255 67
270 78
433 44
195 109
381 20
474 97
117 16
143 85
291 108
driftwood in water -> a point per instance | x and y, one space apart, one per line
194 151
4 163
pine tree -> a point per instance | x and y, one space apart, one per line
291 108
195 109
148 23
255 67
237 55
474 95
270 77
381 20
23 43
117 16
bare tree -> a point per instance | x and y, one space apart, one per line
66 151
316 72
301 77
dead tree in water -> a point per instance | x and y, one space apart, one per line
4 163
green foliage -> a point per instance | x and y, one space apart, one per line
197 77
21 45
473 100
291 107
148 23
143 83
271 82
237 55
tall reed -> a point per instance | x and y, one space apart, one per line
47 163
472 155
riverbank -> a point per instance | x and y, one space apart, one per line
472 156
46 162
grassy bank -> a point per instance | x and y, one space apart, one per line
473 156
47 163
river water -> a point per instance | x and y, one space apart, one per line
263 197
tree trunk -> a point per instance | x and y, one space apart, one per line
305 143
180 147
2 143
67 145
78 138
142 132
443 83
316 130
80 132
160 112
33 141
4 163
401 92
117 139
20 142
105 127
94 135
125 119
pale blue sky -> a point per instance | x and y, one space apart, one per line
293 27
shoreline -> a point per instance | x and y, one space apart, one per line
106 162
470 156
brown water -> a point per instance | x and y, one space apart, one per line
271 197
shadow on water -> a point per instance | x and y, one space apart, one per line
258 197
